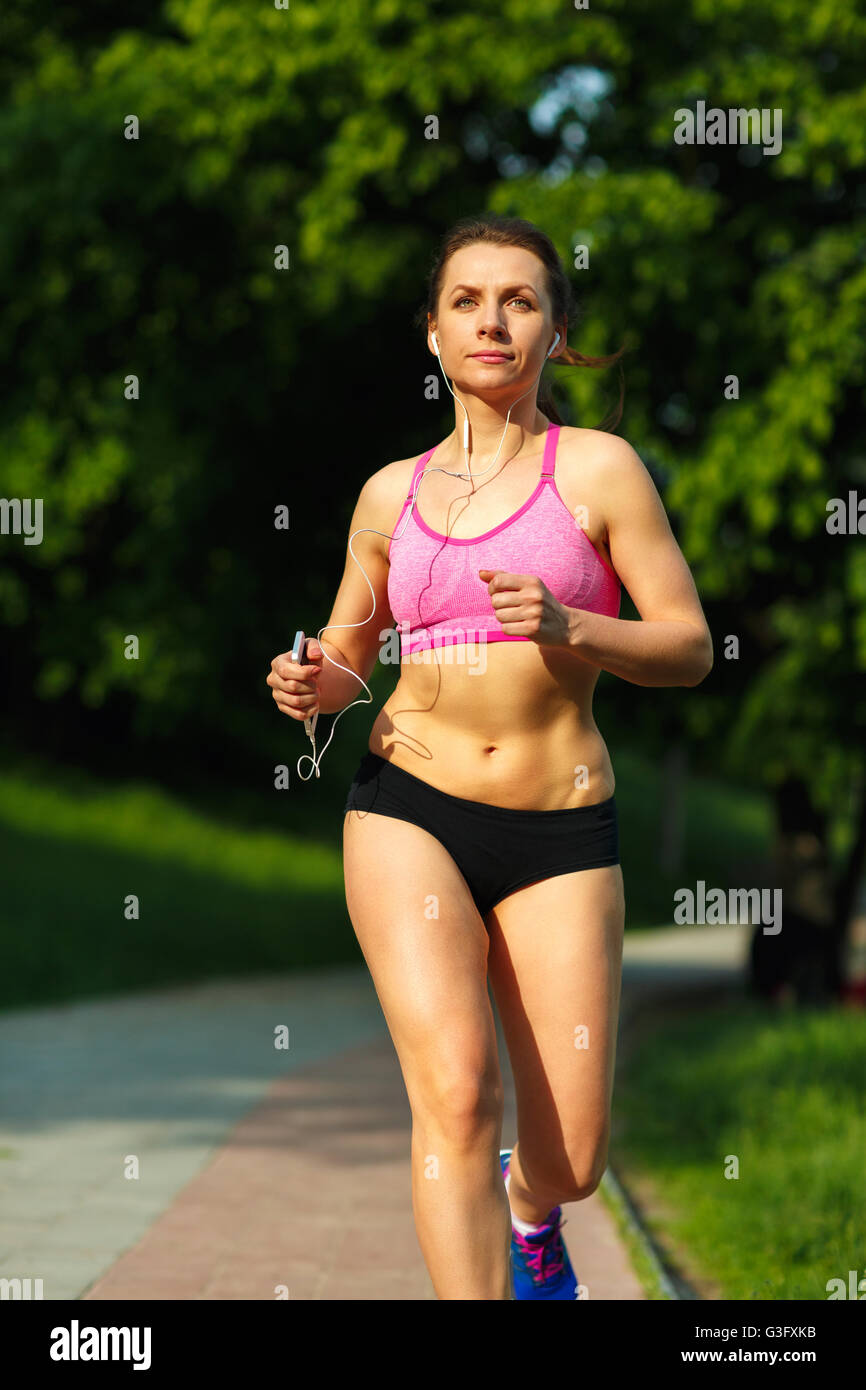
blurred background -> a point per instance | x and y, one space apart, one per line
172 379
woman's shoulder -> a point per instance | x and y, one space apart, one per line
602 472
392 480
596 449
605 462
384 492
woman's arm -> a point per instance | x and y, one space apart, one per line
358 646
671 645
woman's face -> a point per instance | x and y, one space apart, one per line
494 323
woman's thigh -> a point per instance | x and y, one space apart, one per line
426 948
555 967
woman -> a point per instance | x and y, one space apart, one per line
480 832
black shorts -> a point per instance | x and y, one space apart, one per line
497 849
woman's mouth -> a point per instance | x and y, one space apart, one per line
491 356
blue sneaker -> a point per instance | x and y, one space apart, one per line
540 1267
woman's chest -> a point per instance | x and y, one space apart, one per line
465 515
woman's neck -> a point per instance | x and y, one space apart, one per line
523 437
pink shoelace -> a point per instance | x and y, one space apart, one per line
546 1243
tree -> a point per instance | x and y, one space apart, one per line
154 258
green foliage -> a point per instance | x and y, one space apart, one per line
306 127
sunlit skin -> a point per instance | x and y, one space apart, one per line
514 735
489 736
520 735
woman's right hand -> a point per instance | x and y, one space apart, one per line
295 686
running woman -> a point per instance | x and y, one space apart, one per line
480 831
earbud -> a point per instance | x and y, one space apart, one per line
552 347
435 344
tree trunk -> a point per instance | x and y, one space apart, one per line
803 962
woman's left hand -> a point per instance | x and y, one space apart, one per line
525 607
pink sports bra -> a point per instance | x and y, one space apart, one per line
436 595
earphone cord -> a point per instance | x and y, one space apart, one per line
317 758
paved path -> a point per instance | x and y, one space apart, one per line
258 1167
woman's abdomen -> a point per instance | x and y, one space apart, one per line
514 729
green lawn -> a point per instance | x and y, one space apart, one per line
214 900
783 1094
221 896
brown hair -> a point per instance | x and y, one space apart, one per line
516 231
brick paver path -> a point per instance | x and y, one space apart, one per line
259 1169
311 1191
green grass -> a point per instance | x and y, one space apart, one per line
783 1094
221 896
214 901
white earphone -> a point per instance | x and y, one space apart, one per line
468 477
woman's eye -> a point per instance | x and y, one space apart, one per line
518 299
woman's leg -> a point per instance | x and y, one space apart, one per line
555 967
426 948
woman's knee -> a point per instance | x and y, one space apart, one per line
570 1175
459 1105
